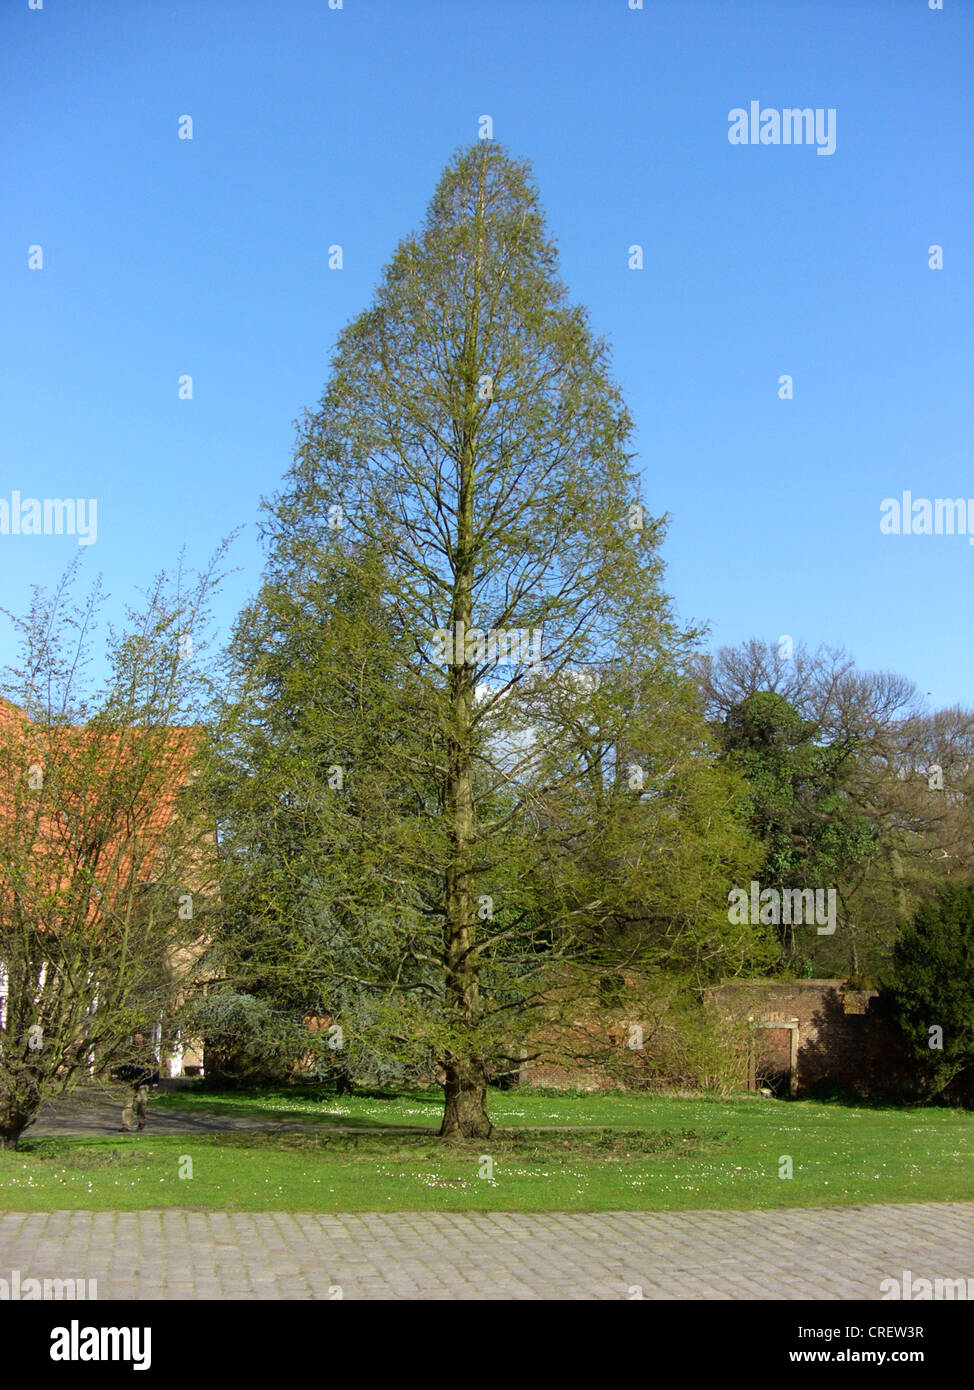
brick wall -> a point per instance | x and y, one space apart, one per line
842 1039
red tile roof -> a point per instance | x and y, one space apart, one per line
106 800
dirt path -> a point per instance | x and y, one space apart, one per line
85 1114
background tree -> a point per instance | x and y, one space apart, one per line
102 849
813 833
906 773
930 985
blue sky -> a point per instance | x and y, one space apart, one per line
315 126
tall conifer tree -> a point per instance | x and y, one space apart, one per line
517 769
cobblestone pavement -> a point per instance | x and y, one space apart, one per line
836 1253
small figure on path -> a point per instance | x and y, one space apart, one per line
140 1075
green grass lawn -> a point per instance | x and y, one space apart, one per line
608 1153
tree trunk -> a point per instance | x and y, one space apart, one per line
465 1113
12 1126
19 1104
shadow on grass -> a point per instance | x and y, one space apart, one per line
536 1147
265 1112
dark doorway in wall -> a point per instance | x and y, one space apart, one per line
774 1049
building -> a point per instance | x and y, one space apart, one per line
92 825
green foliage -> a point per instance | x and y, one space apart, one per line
931 984
897 823
814 835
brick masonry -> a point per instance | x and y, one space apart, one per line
843 1038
